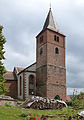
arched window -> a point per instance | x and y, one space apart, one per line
31 82
56 50
31 79
20 85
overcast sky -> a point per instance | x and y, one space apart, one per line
24 19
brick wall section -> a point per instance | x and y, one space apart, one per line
56 81
11 85
51 80
41 59
56 72
41 77
52 58
53 90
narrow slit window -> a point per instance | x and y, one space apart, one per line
41 51
41 39
56 50
55 37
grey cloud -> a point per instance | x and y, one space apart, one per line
75 75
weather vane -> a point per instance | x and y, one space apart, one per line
50 5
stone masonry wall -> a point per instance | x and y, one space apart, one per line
41 81
56 82
52 57
11 85
51 80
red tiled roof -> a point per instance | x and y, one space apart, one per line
10 76
68 98
19 69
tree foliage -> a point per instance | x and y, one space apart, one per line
2 68
57 97
78 100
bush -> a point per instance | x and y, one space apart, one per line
57 97
69 103
8 105
78 101
24 115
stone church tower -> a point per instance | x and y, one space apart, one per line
50 57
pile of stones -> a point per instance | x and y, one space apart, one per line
41 103
7 99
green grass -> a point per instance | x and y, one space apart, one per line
14 113
10 113
20 101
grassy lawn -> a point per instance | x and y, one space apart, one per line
14 113
7 113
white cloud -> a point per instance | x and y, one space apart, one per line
79 2
14 58
75 90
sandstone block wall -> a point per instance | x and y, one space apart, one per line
51 79
11 85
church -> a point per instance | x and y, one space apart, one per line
46 77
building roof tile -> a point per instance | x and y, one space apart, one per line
10 76
19 69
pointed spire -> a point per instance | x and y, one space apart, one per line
50 23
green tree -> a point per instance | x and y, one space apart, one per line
2 68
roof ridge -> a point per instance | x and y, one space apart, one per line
9 71
19 67
27 67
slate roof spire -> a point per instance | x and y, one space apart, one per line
50 23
